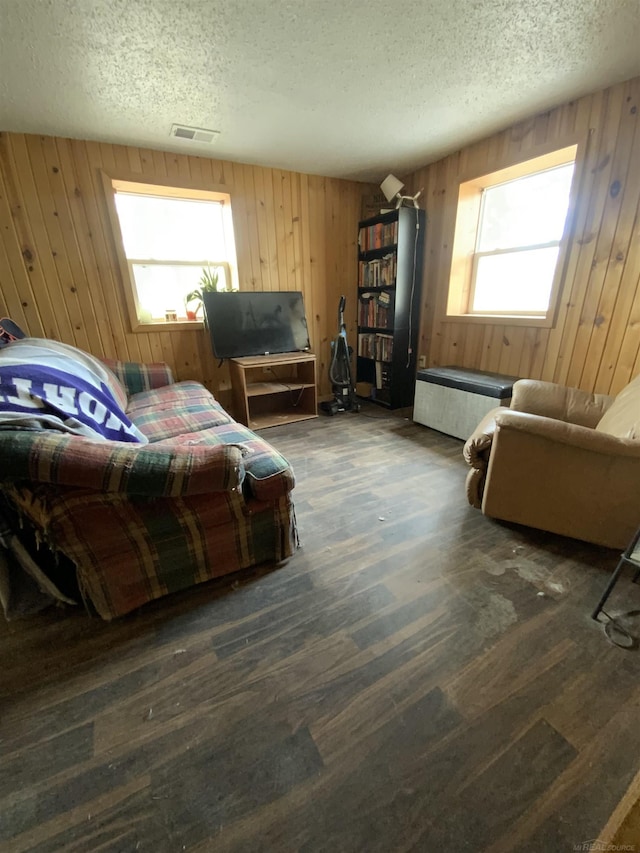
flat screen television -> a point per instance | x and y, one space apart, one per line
256 322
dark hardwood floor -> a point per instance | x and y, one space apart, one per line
416 678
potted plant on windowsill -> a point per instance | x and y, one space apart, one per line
208 284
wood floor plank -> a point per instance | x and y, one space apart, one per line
87 704
115 814
496 798
43 760
362 804
290 626
558 819
415 677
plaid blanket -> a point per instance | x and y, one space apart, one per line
128 551
135 377
203 498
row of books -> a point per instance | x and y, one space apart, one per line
378 235
380 272
376 346
375 311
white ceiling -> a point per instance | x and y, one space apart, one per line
344 88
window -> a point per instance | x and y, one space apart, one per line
170 237
509 231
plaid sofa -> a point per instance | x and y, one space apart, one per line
204 498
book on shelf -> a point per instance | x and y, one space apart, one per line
375 345
367 345
377 236
384 347
375 311
380 272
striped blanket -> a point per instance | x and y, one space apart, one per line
48 385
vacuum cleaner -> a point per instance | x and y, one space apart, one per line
344 393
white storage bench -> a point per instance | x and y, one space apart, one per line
454 400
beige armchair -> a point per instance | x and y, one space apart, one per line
562 460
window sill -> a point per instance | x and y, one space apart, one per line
169 326
539 321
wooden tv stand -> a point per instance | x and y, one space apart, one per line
269 390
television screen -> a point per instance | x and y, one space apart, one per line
256 322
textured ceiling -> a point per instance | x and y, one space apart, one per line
345 88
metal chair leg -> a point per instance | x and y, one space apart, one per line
612 582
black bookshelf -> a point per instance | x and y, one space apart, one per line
390 251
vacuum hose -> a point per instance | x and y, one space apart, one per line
339 372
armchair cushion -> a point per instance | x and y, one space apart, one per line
559 402
622 418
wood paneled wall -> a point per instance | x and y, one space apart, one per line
59 275
595 341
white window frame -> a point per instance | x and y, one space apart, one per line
141 185
474 272
464 262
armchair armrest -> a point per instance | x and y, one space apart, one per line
557 401
112 466
479 442
140 377
476 451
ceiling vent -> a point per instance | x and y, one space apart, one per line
194 134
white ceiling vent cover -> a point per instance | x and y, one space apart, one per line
194 134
